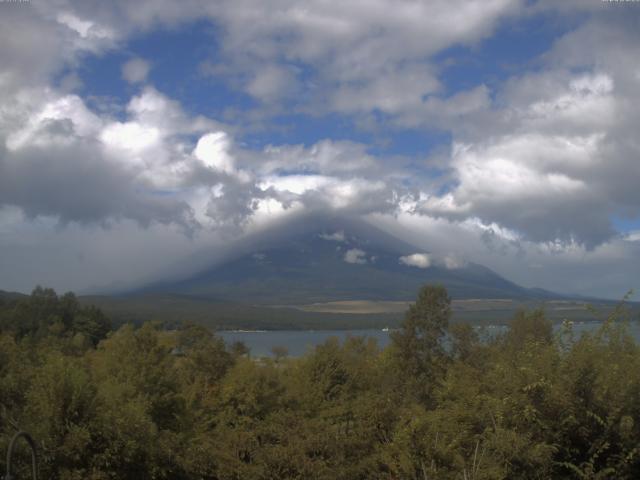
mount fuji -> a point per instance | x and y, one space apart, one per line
338 259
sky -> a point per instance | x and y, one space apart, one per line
134 136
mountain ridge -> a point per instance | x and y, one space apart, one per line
337 259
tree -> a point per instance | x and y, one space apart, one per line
280 353
45 314
527 327
464 340
417 345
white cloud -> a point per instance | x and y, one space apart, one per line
272 82
213 150
447 112
325 157
130 136
355 255
64 160
296 184
216 182
394 92
337 175
342 56
453 262
154 108
136 70
86 29
39 111
419 260
334 237
362 58
551 171
327 193
84 34
605 271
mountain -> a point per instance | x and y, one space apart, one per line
337 259
10 296
329 273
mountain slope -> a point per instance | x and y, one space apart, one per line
11 296
336 259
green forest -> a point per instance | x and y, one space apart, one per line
160 402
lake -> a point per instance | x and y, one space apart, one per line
298 342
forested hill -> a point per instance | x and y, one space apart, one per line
44 313
8 296
151 403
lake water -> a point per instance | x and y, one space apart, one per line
298 342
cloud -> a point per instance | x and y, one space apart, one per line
44 118
419 260
152 146
270 49
346 58
40 39
453 262
334 237
554 162
232 204
356 256
604 271
326 157
136 70
558 168
213 150
348 195
528 183
76 183
272 83
158 164
88 31
63 160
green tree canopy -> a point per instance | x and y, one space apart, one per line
418 344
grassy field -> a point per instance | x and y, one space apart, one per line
351 314
467 305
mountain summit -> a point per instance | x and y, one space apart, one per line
323 260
